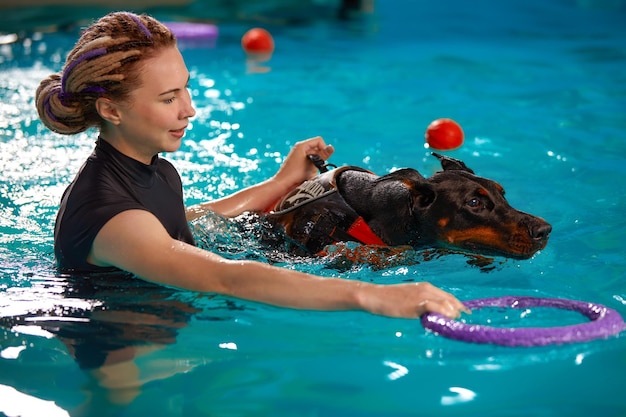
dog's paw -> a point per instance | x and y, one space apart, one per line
346 256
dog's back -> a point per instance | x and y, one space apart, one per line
453 208
315 215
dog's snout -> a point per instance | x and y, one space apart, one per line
540 230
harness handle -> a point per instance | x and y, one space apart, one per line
320 163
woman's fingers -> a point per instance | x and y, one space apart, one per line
449 308
297 167
435 300
316 146
409 300
325 152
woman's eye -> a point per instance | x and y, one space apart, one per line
169 100
474 202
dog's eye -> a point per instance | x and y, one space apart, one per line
474 203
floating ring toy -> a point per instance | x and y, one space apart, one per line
193 31
604 322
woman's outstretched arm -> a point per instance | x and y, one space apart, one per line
135 241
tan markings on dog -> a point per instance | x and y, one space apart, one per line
443 222
482 191
512 242
409 185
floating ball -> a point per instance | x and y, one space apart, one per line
444 135
257 41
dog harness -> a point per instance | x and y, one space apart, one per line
328 217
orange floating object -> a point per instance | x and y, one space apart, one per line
444 135
257 41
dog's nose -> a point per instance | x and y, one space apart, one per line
540 230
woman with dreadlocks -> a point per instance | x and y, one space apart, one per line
124 210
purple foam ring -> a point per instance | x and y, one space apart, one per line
604 322
188 30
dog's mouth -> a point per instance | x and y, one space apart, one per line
487 242
479 249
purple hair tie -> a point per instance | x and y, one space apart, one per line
94 89
66 97
143 27
46 104
87 55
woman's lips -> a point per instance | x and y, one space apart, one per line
178 133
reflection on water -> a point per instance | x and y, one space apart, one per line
16 403
101 318
554 67
104 321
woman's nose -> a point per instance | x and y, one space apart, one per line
188 109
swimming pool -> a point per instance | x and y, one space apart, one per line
539 89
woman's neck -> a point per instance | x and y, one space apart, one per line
125 147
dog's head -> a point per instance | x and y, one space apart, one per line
453 208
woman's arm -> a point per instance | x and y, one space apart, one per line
295 169
135 241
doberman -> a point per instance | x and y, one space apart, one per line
452 209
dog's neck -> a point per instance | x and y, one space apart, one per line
382 201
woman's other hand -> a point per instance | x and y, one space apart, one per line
297 167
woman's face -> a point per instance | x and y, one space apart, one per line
157 113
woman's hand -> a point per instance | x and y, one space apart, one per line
409 300
297 167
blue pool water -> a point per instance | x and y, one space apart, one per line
540 90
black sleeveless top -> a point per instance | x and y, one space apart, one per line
107 184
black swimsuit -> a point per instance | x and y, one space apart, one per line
107 184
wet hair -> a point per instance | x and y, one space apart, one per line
105 62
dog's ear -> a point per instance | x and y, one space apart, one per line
448 163
422 195
421 191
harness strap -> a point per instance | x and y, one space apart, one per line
362 232
314 202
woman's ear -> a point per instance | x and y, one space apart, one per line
108 110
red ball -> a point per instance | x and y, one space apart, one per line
444 135
256 41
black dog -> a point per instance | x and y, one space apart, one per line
452 209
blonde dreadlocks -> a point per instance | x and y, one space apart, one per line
103 63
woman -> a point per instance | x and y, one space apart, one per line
124 210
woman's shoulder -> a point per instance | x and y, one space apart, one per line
165 165
168 171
